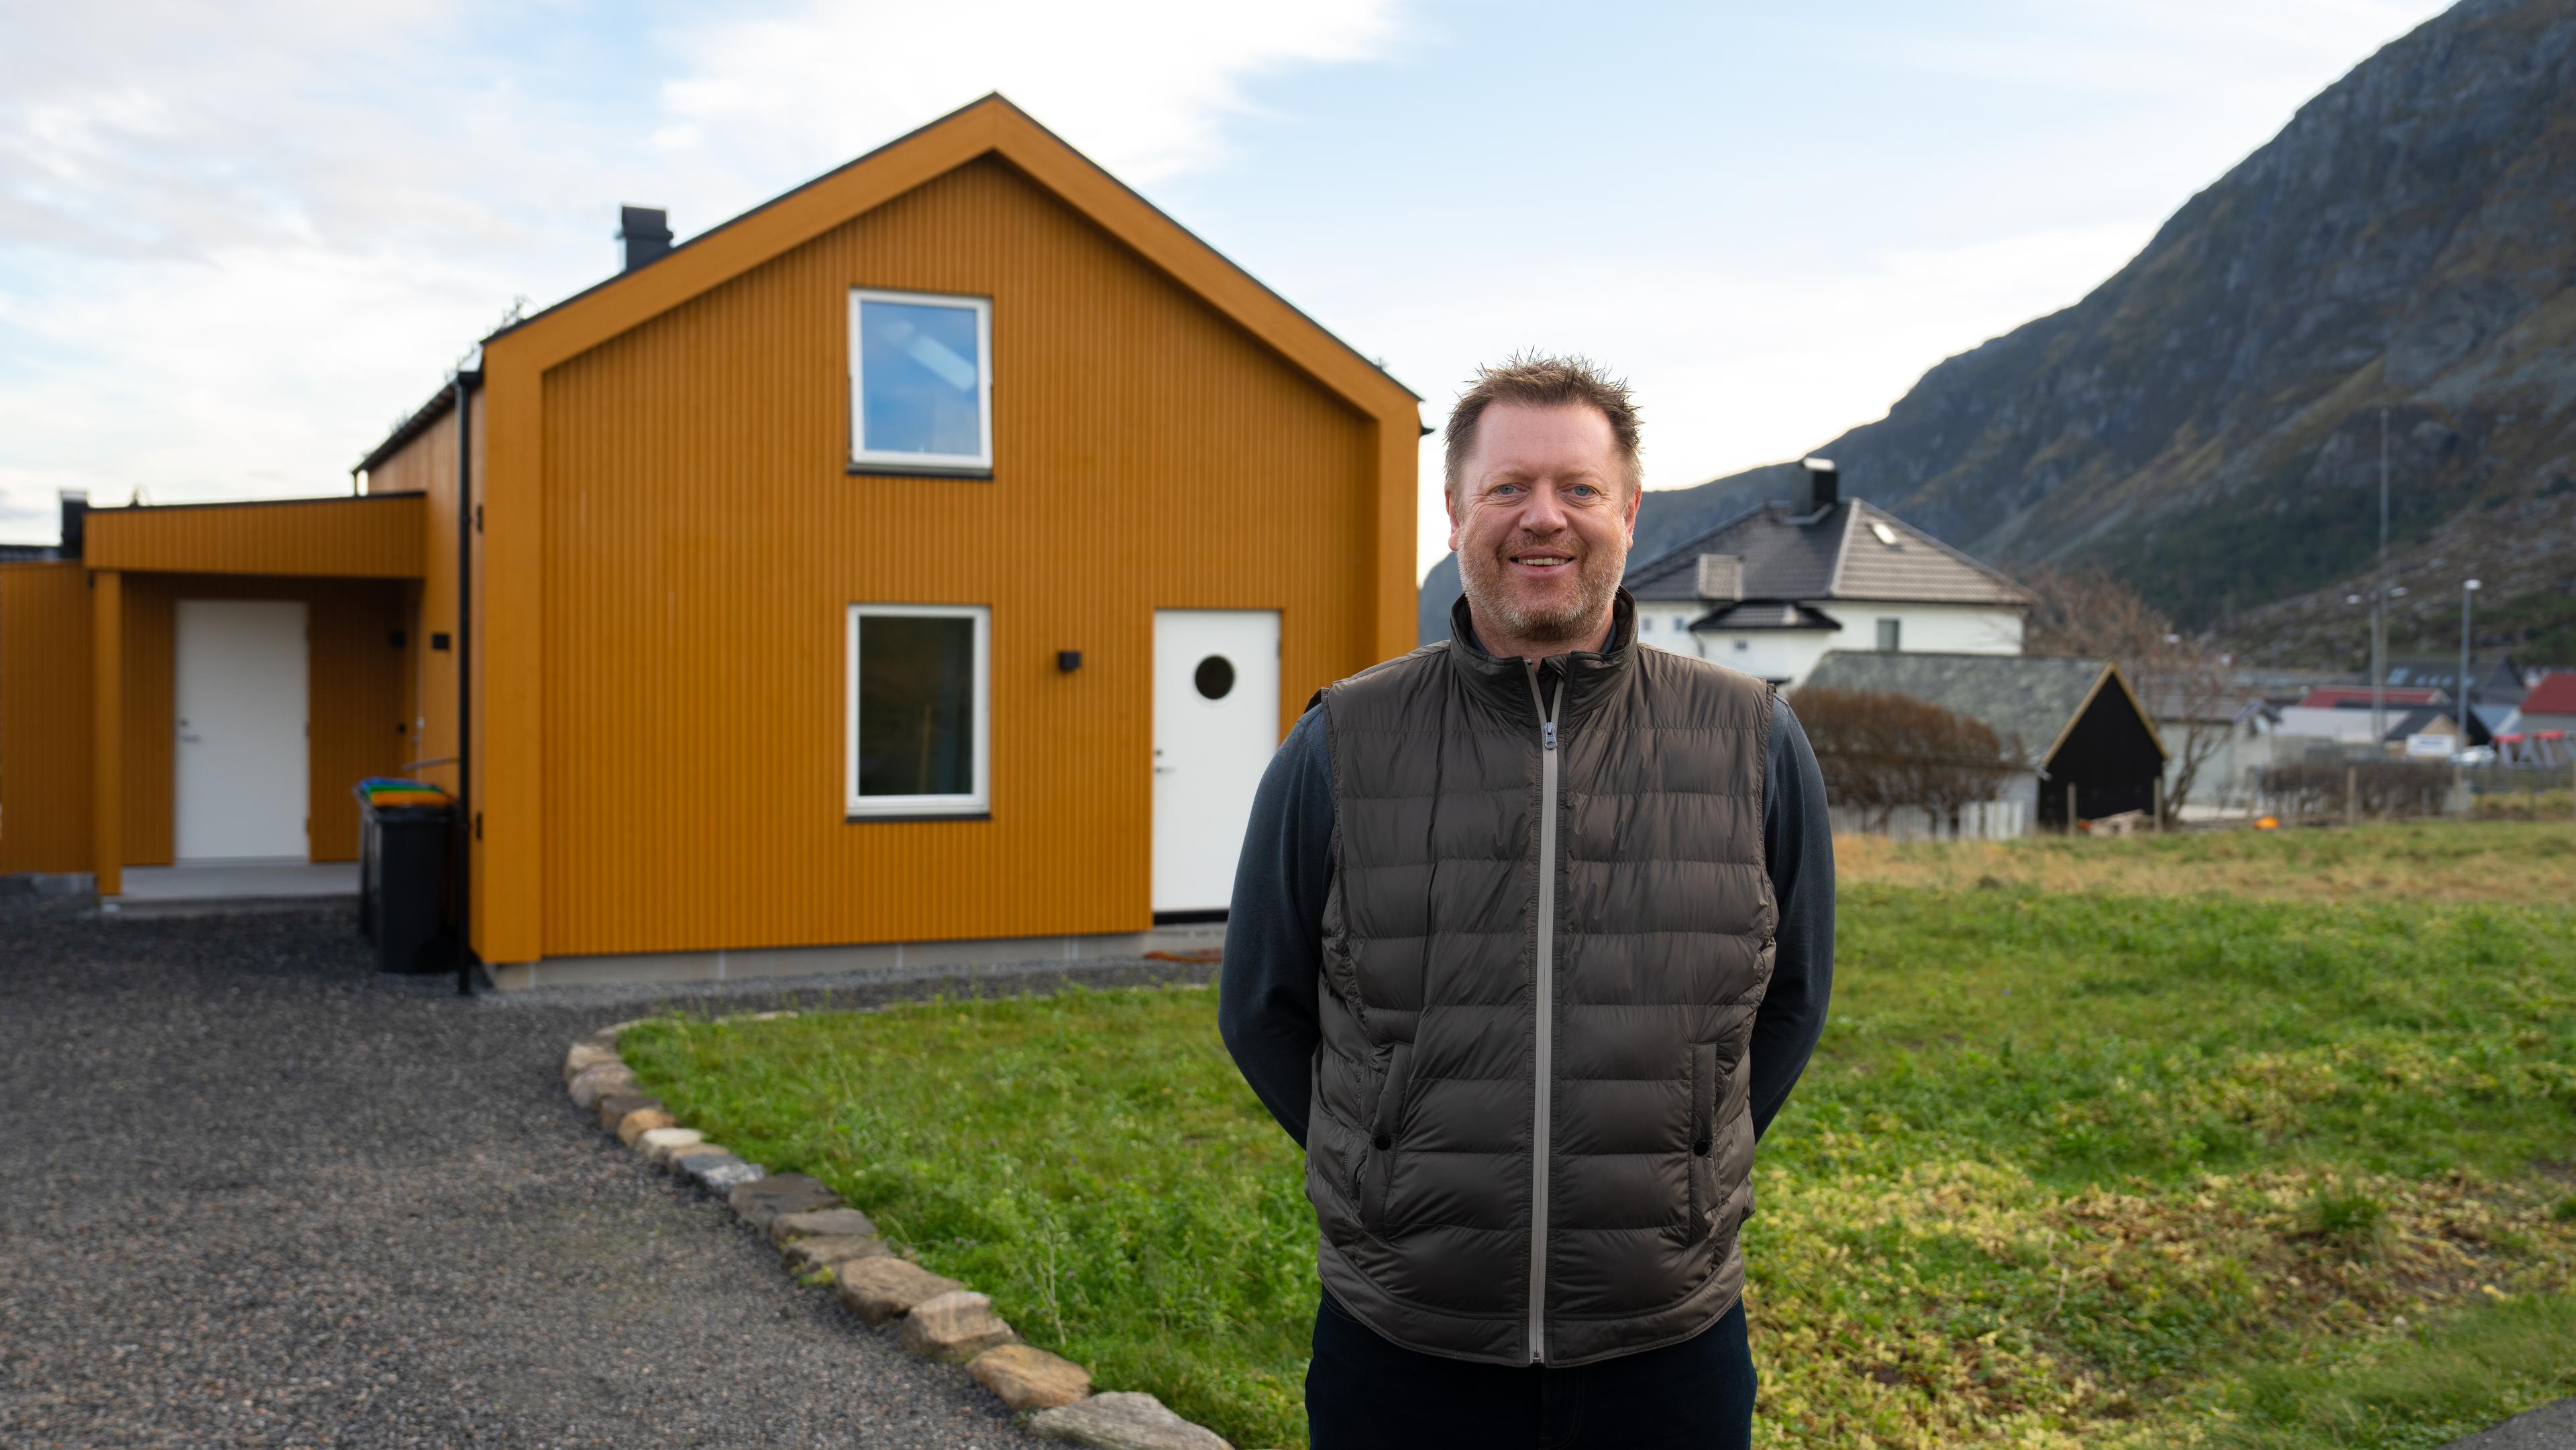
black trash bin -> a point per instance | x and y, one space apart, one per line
402 883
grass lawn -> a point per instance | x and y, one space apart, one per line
2421 861
2072 1166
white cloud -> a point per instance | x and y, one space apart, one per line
237 241
1144 88
1732 371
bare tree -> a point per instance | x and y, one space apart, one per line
1879 751
2085 613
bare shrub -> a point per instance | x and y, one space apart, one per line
1880 751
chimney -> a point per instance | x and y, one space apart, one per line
644 233
1721 578
75 504
1820 488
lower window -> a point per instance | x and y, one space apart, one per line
919 729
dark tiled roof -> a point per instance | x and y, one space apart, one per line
25 553
1839 556
2027 700
1781 560
1766 614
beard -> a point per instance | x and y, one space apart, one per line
1573 617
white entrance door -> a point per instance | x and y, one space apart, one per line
240 792
1216 724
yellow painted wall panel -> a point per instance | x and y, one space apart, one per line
357 537
702 540
425 470
45 734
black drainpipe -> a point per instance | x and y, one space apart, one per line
464 684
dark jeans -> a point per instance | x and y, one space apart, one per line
1363 1392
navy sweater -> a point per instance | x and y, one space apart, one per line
1274 935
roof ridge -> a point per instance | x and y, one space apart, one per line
1842 549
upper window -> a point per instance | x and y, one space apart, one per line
921 380
1890 631
920 725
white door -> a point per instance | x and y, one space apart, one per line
240 792
1216 724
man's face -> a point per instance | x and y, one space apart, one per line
1542 519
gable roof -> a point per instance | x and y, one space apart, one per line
1837 556
2029 700
2554 695
986 127
1766 614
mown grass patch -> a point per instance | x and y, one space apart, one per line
1091 1160
2068 1169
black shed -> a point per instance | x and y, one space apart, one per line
2068 721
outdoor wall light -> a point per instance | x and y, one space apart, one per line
1068 660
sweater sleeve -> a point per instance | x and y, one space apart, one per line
1274 929
1798 837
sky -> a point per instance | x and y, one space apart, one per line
238 243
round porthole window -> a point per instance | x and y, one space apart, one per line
1215 677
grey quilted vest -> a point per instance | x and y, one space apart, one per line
1549 925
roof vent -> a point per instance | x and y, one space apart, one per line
1721 577
1820 488
644 235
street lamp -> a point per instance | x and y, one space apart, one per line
2466 589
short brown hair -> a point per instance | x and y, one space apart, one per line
1542 382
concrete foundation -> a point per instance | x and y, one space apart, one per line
220 890
889 958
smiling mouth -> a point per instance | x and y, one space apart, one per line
1544 561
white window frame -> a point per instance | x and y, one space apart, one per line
861 457
976 802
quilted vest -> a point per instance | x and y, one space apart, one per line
1549 925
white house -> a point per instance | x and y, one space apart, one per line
1772 589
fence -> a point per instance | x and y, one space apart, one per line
1978 821
2352 791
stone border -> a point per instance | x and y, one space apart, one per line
825 1241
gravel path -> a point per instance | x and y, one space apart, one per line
252 1193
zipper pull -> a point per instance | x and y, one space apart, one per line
1547 737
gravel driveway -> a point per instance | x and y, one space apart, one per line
252 1193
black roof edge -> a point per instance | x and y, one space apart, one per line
420 420
864 156
251 503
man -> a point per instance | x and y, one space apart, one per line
1531 936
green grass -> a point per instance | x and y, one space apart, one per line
2417 1391
1091 1160
2068 1169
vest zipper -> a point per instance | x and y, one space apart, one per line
1541 1095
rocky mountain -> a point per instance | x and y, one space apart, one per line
2208 422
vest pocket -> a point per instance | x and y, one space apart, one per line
1703 1142
1385 1119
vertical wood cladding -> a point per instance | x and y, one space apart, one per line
702 540
45 733
426 467
353 689
365 537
